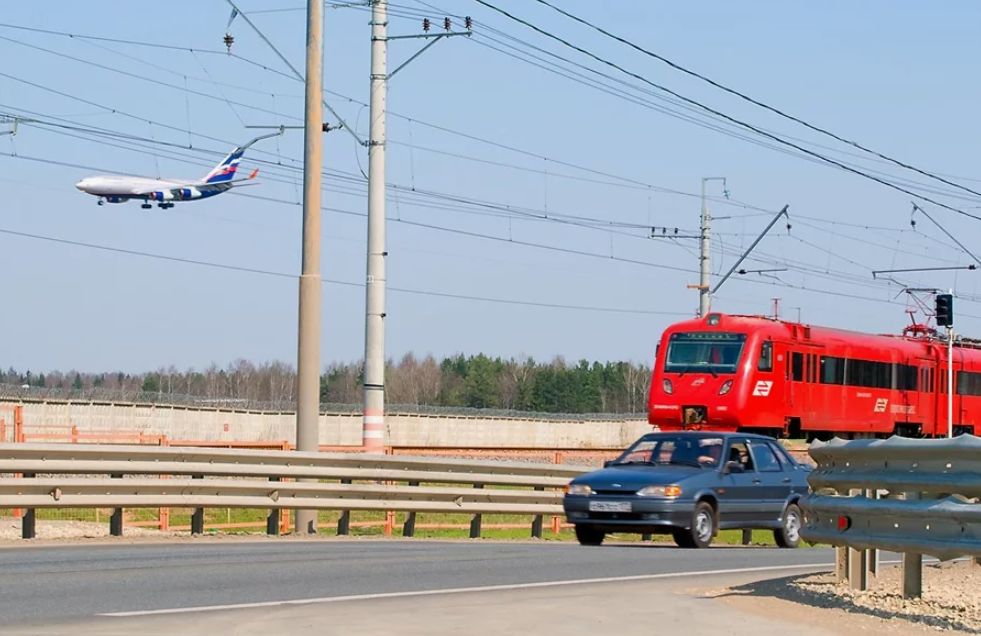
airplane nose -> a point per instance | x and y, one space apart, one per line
81 184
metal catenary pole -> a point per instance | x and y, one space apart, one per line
308 348
373 425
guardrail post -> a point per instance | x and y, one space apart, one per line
536 524
873 554
747 536
272 521
647 537
344 523
912 567
197 517
116 520
475 522
857 563
28 523
409 527
841 564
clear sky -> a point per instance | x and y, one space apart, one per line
896 76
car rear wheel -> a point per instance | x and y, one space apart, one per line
702 528
588 535
788 536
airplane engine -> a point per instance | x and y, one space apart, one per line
190 193
161 196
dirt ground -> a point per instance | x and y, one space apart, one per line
951 602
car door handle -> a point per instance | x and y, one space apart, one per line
786 480
756 481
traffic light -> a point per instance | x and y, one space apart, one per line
945 310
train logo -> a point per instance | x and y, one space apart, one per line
762 388
880 405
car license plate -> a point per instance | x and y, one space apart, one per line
609 506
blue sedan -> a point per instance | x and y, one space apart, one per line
691 485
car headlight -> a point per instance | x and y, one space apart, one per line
668 388
578 489
725 387
659 491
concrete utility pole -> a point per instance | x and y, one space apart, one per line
373 423
373 426
308 349
704 283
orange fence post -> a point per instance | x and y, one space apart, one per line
19 424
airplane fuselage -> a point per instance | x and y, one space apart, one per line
121 189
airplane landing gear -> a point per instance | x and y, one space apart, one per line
100 202
147 206
165 206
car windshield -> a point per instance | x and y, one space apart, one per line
680 450
704 352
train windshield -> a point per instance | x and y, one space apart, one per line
704 352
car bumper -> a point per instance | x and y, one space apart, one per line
646 514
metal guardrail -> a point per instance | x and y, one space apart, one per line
202 478
913 496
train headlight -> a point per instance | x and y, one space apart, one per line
726 386
668 388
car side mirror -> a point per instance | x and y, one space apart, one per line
608 463
733 467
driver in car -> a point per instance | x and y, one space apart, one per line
711 452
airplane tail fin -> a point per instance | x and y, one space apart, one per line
225 171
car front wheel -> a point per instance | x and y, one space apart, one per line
702 528
788 536
588 535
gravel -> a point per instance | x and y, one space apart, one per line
951 598
10 529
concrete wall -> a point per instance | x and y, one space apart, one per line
426 431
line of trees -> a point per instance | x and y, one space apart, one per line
458 381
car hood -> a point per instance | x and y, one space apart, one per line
635 476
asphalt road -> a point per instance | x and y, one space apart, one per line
55 583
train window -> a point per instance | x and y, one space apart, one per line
797 367
766 357
832 370
906 376
968 383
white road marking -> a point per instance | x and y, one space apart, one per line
464 590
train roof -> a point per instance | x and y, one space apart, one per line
784 328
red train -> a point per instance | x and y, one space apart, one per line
758 374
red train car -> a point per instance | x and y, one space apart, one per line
758 374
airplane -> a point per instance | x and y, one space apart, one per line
120 189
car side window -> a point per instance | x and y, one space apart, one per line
738 452
782 455
766 460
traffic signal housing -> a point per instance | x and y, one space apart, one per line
945 310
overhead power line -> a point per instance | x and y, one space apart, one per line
755 102
718 113
251 270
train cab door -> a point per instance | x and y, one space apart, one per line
803 376
925 412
